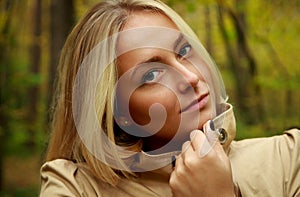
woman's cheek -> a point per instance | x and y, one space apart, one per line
141 102
139 111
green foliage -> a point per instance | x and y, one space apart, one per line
20 192
16 81
272 32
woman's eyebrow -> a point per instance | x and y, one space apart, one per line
157 58
139 66
177 41
152 59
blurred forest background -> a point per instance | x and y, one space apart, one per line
255 43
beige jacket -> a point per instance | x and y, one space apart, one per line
261 167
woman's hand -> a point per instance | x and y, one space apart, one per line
203 168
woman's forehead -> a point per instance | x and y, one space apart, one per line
148 37
147 29
145 18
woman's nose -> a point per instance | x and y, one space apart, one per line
189 79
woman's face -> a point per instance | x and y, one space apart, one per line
164 77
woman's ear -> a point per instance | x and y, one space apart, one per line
123 121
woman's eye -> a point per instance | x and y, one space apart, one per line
151 76
184 50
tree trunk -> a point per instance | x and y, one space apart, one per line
273 55
208 30
62 18
242 63
5 76
35 59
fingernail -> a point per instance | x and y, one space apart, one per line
173 161
212 125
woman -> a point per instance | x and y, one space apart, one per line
140 110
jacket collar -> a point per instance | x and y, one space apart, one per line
147 162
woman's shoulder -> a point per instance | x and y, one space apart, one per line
293 135
267 166
61 177
62 166
286 144
289 137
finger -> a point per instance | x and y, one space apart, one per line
187 151
210 133
218 148
180 180
213 138
197 139
179 169
200 143
206 148
185 146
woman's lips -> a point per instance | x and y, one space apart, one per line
197 104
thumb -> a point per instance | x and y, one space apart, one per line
211 134
213 137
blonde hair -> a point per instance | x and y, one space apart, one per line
102 21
